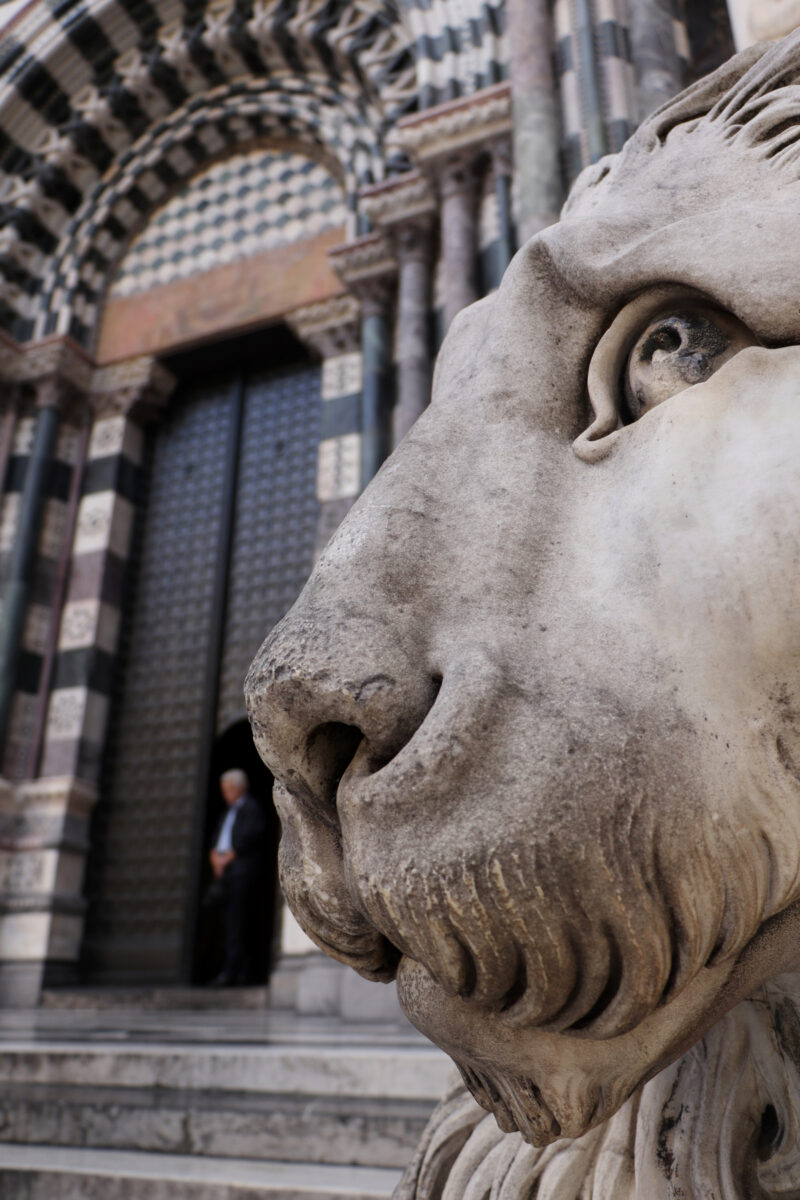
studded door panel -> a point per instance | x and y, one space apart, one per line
276 516
139 866
140 871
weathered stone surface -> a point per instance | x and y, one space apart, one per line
45 1173
282 1128
535 717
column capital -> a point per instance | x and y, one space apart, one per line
58 370
470 124
412 240
330 327
502 158
456 175
53 391
367 267
399 200
137 388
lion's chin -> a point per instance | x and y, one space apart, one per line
549 1085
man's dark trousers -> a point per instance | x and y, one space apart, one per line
245 886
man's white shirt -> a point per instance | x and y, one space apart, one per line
224 843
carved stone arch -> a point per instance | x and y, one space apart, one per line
81 95
320 123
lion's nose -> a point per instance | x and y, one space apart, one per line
319 691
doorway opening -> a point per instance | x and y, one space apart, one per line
235 748
226 532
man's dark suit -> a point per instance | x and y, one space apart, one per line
244 879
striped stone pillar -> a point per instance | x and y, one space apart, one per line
21 563
615 63
659 47
616 72
44 817
331 330
58 375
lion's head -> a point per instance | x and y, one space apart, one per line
535 716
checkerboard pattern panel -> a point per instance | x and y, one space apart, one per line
240 206
88 87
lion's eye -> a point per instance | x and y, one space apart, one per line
678 349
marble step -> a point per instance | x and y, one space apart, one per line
361 1071
358 1103
48 1173
375 1132
156 999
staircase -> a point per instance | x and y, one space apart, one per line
142 1101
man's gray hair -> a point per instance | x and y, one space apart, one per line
236 776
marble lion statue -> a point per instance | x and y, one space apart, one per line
536 716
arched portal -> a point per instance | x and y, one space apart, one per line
107 110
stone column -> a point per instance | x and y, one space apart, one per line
591 90
536 121
50 396
376 387
367 268
502 173
413 247
659 69
458 233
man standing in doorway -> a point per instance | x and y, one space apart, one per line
238 858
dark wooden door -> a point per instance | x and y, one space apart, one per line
230 499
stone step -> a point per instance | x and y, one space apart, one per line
335 1129
48 1173
359 1102
363 1071
164 999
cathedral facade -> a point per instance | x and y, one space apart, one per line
233 234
